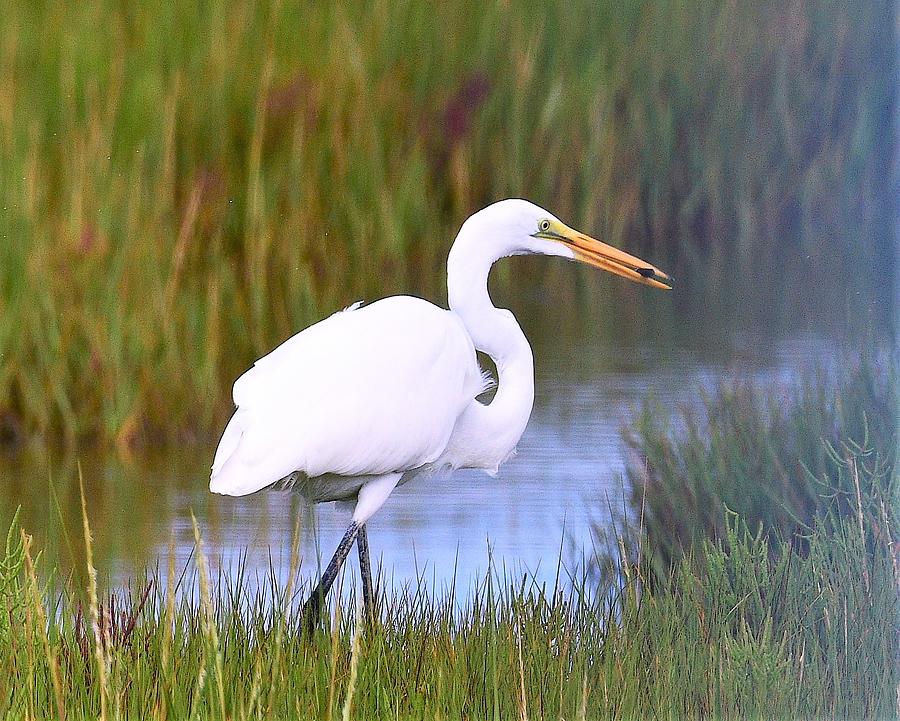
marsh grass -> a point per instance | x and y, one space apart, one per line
779 457
183 188
740 628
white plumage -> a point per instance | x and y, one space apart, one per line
365 392
368 396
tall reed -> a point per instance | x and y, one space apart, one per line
181 188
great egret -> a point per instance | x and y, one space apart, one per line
375 395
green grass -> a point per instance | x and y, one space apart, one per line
744 625
183 186
778 457
734 633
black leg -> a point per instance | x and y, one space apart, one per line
313 606
365 571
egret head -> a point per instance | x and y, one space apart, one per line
521 227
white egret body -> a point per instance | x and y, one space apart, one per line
372 396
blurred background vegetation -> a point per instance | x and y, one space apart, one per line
183 185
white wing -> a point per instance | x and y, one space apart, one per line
363 392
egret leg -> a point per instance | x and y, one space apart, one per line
312 609
365 571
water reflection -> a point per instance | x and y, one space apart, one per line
566 476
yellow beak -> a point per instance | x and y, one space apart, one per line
606 257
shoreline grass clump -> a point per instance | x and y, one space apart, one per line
739 628
781 458
182 188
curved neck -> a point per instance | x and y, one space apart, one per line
498 426
493 331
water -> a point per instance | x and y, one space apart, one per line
565 482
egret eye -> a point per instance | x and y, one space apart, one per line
543 225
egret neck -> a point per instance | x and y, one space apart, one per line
486 435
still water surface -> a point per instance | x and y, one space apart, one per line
567 474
